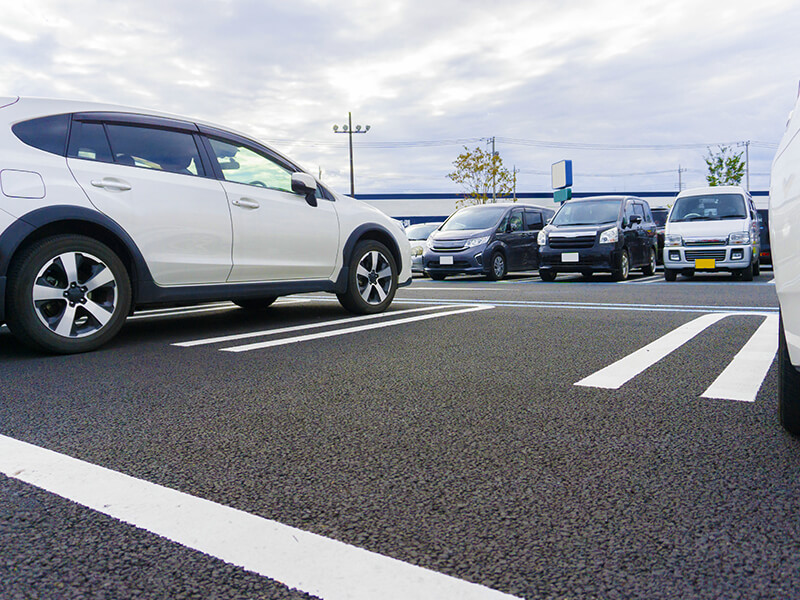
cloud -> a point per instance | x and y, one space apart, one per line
608 73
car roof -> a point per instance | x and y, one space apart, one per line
711 190
36 107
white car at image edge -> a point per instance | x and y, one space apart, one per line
784 231
107 209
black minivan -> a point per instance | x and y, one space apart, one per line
599 234
489 239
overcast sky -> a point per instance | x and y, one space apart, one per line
550 80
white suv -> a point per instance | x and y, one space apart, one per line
784 235
106 209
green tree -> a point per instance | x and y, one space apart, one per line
724 167
480 173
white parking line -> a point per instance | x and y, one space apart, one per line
743 377
265 332
648 279
311 563
615 375
347 330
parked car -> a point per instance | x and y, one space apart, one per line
489 239
784 224
106 209
660 219
712 229
417 235
765 253
599 234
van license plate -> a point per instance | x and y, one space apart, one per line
445 260
570 257
705 263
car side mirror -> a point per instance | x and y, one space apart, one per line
305 185
636 219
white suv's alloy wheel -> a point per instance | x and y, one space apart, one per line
74 294
374 277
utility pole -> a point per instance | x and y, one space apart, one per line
680 182
348 129
492 166
515 170
747 162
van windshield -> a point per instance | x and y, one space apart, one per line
587 213
709 208
474 217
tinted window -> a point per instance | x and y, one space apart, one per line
587 213
88 141
533 220
46 133
474 217
660 216
152 148
515 223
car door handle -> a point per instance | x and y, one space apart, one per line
245 203
112 184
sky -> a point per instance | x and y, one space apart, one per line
631 92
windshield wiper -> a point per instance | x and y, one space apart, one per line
732 217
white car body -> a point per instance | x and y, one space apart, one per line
784 231
702 239
189 234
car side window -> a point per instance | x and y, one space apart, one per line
515 222
89 141
45 133
240 164
154 148
533 220
638 209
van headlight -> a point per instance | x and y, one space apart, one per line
610 236
478 241
673 240
542 238
416 250
738 238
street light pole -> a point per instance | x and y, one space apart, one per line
348 129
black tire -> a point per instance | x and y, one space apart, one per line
371 279
756 268
497 266
83 289
587 273
623 267
788 387
548 274
437 276
689 273
256 303
747 273
670 275
650 268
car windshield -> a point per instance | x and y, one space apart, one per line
420 231
587 213
709 208
659 217
474 217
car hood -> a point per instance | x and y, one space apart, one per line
701 229
570 230
461 234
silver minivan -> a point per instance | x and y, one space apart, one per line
712 229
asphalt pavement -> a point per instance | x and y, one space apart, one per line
448 433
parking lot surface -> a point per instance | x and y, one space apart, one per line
581 439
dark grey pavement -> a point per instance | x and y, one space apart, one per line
458 443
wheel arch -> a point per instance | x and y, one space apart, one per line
57 220
367 231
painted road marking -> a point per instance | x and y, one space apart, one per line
615 375
348 330
743 377
266 332
647 279
311 563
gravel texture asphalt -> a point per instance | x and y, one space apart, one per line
460 444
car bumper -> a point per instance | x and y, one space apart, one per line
416 264
468 261
596 258
724 258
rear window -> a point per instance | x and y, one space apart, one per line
45 133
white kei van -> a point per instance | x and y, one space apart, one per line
712 229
